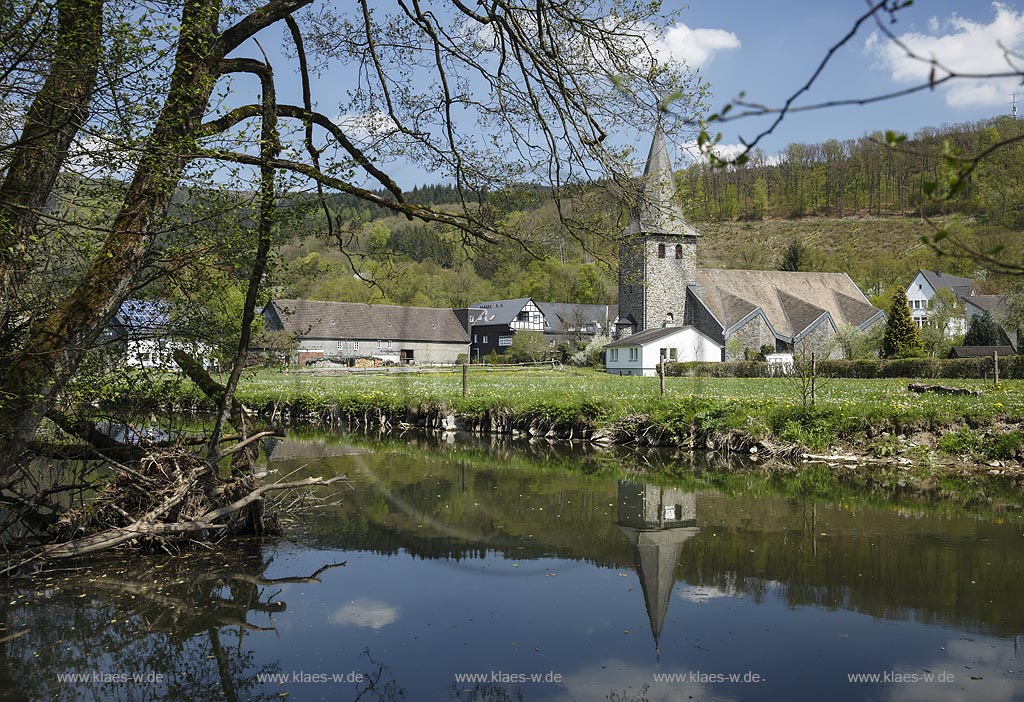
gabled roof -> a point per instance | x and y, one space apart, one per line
648 336
501 311
355 320
565 316
140 318
938 279
995 305
792 302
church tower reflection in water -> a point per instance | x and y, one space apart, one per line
656 521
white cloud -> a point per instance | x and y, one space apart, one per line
616 679
699 594
694 47
371 614
722 151
966 47
366 127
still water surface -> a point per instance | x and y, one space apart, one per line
481 573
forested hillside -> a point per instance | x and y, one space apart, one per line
854 206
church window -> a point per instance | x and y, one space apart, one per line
679 251
661 251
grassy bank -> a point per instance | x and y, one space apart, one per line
869 415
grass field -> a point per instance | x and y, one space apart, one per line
845 408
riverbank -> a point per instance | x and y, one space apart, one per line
867 418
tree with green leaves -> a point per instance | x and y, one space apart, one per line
901 339
125 102
527 347
983 331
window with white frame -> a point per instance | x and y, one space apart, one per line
391 344
504 341
485 339
613 354
634 353
355 345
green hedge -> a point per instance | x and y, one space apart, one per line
962 368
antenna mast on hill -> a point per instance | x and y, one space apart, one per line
1013 104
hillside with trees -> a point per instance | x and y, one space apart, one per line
857 206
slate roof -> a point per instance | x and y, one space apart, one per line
645 337
975 351
956 283
563 316
993 304
142 318
355 320
791 301
500 311
657 210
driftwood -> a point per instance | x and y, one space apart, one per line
155 495
180 506
941 389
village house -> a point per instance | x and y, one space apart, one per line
141 331
495 323
926 285
731 314
349 330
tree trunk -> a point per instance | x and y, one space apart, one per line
56 115
55 344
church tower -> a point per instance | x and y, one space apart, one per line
658 250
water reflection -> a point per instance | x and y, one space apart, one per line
483 559
656 521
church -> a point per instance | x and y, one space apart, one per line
668 307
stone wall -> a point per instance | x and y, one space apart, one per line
631 279
667 278
752 335
820 341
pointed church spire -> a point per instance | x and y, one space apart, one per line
656 522
657 210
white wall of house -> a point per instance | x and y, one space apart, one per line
685 345
919 294
529 318
157 353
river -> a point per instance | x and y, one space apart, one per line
500 571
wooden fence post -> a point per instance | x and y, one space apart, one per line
662 366
465 378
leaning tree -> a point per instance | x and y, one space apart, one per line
115 114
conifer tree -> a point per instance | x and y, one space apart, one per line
901 338
794 258
984 331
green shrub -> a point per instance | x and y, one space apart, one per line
1003 445
962 442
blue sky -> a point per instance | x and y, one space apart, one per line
769 49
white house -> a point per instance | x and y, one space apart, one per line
142 330
640 353
926 285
